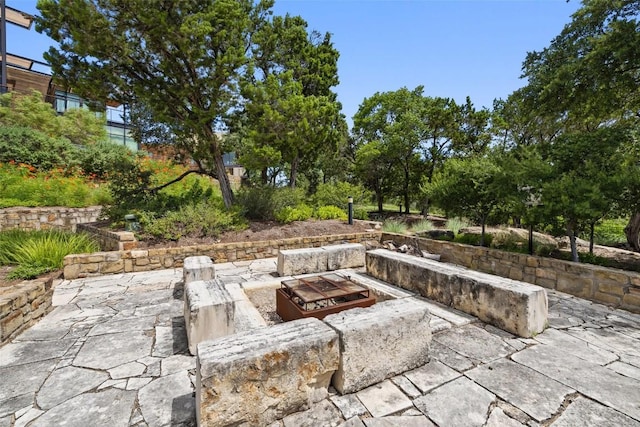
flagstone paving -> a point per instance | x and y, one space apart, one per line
114 352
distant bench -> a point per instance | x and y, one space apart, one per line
517 307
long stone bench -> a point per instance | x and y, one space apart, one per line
257 377
380 341
516 307
198 268
316 260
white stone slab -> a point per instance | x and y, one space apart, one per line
517 307
541 398
346 255
384 399
197 268
380 341
208 312
431 375
259 376
458 403
301 261
585 412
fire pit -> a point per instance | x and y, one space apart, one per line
319 296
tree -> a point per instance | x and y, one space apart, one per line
394 120
291 115
180 59
473 187
588 77
374 168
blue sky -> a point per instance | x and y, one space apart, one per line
454 48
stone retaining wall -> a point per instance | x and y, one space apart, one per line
23 305
83 265
47 217
617 288
110 240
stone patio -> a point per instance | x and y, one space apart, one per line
114 353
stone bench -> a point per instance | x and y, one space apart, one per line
380 341
197 268
260 376
516 307
208 312
316 260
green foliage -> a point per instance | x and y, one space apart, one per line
397 227
78 126
473 239
22 185
609 232
360 213
456 224
424 225
330 212
36 252
33 147
102 159
262 203
204 219
337 193
289 214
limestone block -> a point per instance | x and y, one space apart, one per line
349 255
301 261
380 341
198 268
259 376
208 312
517 307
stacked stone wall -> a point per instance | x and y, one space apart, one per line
127 261
617 288
22 305
47 217
110 240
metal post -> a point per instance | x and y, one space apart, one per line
3 47
350 210
530 239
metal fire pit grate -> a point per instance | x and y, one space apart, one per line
318 296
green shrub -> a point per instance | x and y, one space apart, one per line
330 212
392 226
262 203
34 148
36 252
205 219
361 213
337 194
424 225
473 239
22 185
289 214
456 224
609 232
101 159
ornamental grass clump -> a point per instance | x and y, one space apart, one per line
456 224
392 226
37 252
421 226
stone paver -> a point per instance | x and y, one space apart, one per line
384 399
114 352
458 403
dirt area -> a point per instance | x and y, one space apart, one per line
269 230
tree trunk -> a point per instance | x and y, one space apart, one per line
482 234
223 179
572 240
379 197
632 231
591 233
294 172
264 176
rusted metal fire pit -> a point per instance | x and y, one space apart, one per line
319 296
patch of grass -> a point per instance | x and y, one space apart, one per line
392 226
424 225
456 224
36 252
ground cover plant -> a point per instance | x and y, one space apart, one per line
37 252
